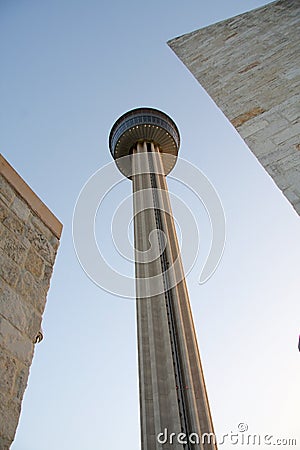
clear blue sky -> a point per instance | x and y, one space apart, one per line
68 70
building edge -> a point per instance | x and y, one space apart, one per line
33 201
249 66
29 240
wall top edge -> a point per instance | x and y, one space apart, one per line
172 43
33 201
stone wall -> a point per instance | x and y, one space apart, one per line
250 66
29 238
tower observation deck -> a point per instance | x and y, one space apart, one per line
144 143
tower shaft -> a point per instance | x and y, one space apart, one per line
172 389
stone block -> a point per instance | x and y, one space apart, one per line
7 194
40 243
12 307
297 207
242 118
286 134
47 276
32 292
252 126
34 263
290 108
291 195
14 225
38 297
21 379
21 209
40 226
55 243
26 283
4 211
33 326
9 413
15 343
288 179
262 147
2 230
5 443
13 248
280 151
22 315
9 271
8 371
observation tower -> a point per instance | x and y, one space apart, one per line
144 143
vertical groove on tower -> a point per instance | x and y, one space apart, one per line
182 407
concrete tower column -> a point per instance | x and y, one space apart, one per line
156 374
173 397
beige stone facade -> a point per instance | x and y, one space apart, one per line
250 66
29 239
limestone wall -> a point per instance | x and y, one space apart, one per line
29 238
250 66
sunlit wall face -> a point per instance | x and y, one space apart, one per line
69 69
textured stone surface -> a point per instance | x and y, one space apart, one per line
27 253
250 66
10 409
15 342
6 191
